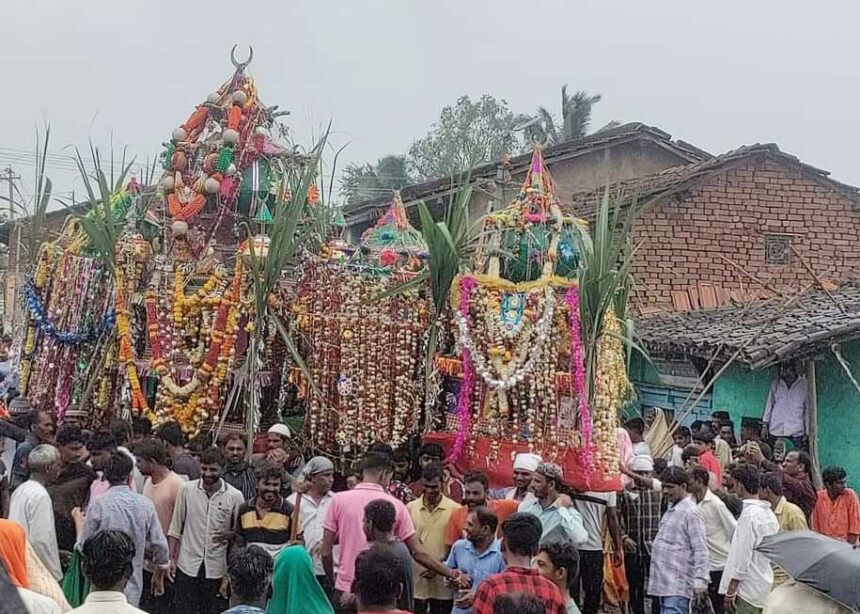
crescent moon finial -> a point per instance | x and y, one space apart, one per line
241 66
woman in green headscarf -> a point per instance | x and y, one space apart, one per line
295 587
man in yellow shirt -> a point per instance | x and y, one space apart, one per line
430 514
789 516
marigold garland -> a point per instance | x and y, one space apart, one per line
191 402
126 347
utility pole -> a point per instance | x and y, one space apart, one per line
10 178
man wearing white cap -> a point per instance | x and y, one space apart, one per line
640 509
282 452
525 465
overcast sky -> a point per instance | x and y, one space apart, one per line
718 75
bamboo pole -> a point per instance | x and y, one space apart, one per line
813 423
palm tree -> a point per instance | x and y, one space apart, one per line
575 115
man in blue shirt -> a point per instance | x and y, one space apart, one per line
560 521
478 556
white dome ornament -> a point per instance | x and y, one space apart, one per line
211 185
239 97
179 228
230 136
167 183
213 98
179 134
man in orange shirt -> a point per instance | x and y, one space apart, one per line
837 509
704 440
476 485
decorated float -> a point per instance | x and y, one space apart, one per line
517 377
217 297
146 304
363 344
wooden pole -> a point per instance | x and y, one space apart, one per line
812 427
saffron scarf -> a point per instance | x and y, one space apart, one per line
13 551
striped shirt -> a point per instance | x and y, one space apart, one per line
679 556
641 511
243 479
271 532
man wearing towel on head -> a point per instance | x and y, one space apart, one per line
525 465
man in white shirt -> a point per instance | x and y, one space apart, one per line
591 552
786 410
203 520
315 488
719 529
748 576
31 506
107 565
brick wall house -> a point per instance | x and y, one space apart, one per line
738 226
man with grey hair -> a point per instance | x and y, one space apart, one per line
31 506
312 495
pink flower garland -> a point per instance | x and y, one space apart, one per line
464 400
578 363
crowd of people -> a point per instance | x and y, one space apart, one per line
132 519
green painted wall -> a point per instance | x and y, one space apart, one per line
642 371
839 411
742 392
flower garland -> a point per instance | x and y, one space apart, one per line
516 374
578 380
126 347
43 321
611 387
195 400
464 401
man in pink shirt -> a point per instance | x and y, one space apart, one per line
344 524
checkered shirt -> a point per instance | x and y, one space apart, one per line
641 511
517 580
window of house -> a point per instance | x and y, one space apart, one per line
778 249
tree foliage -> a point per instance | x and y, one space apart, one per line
466 134
575 118
360 182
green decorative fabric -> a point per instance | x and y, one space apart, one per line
75 586
295 587
256 186
530 250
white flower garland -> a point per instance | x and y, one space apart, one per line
517 375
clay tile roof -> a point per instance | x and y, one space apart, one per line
765 332
680 178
